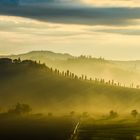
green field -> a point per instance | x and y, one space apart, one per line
108 131
28 87
40 127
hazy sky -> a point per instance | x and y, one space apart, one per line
107 28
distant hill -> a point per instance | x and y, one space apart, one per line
126 72
46 89
43 55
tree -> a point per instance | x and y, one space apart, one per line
72 75
82 77
63 73
5 61
20 109
90 79
134 113
109 82
113 114
50 114
68 73
112 82
72 113
17 61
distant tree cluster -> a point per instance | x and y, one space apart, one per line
20 109
113 114
87 58
10 62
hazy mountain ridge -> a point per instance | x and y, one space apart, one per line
126 72
43 55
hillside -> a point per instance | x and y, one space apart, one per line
50 90
126 72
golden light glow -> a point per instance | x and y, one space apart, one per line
26 34
116 3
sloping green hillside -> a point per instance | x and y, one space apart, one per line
46 89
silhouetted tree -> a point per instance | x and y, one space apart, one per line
109 82
63 73
82 77
51 69
72 113
75 77
17 61
28 62
5 61
55 71
96 80
72 75
134 113
113 114
68 73
50 114
102 81
112 82
20 109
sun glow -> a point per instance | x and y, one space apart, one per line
114 3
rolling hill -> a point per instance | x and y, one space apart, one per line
46 90
125 72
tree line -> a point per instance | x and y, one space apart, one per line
21 109
67 74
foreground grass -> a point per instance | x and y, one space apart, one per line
109 130
35 128
40 127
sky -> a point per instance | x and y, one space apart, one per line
107 28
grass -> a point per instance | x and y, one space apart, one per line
109 131
35 128
39 127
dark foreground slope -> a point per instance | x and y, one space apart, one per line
46 89
36 128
